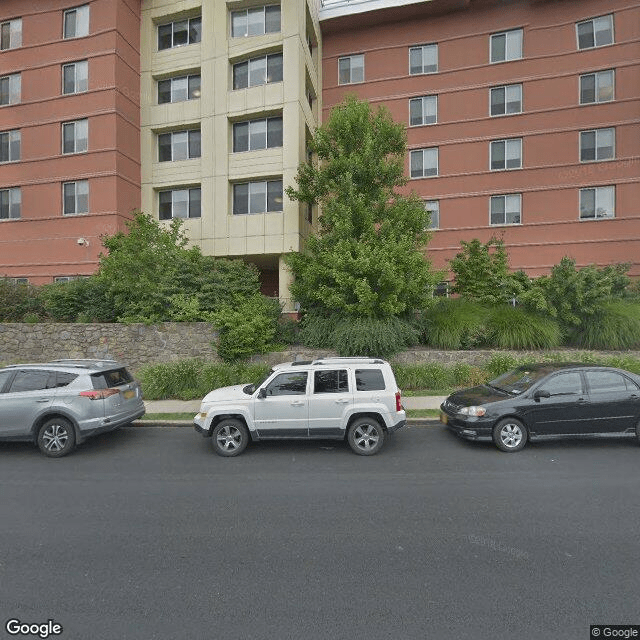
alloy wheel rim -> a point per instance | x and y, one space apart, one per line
366 437
55 438
511 435
229 438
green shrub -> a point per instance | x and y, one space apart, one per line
316 330
81 300
514 328
374 337
287 331
454 323
19 302
615 326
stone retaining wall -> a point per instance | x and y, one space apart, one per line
139 344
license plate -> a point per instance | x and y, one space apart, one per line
444 418
129 394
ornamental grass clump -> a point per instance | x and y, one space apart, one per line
514 328
454 323
615 326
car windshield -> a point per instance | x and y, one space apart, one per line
518 380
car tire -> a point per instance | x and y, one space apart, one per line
510 435
56 437
230 438
365 436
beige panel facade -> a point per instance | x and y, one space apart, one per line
261 238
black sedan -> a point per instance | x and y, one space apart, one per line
542 401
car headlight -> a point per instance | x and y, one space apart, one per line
472 411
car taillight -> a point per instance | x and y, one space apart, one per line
99 394
398 401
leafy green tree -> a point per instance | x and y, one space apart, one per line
366 259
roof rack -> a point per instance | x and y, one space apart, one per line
348 360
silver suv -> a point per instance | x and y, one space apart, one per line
331 398
59 404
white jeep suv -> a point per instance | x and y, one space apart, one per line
329 398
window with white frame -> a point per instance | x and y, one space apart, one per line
179 89
505 209
506 46
597 144
19 280
10 146
10 89
179 33
76 22
75 197
179 145
423 59
257 71
506 100
597 202
257 197
179 203
257 21
251 135
75 136
10 203
75 77
433 207
423 110
596 87
424 163
351 69
11 34
506 154
596 32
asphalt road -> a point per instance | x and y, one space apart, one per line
145 533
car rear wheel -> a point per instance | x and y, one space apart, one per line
510 435
56 437
365 436
229 438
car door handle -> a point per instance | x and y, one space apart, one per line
297 403
343 401
42 400
581 401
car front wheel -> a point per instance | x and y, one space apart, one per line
56 437
229 438
510 435
365 436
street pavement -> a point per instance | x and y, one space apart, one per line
145 534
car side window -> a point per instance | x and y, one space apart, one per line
369 380
64 379
31 381
564 384
288 384
605 381
4 378
330 381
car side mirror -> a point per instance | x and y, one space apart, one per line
541 394
262 393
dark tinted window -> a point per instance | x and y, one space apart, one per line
63 379
604 381
4 378
330 381
564 384
288 384
113 378
30 381
369 380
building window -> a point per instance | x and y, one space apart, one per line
424 163
255 22
597 32
18 280
598 144
75 136
506 46
265 133
506 154
597 202
76 22
433 207
10 89
75 77
423 110
10 203
75 196
506 100
10 146
351 69
11 34
257 197
596 87
178 145
258 71
179 203
179 33
423 59
506 209
179 89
